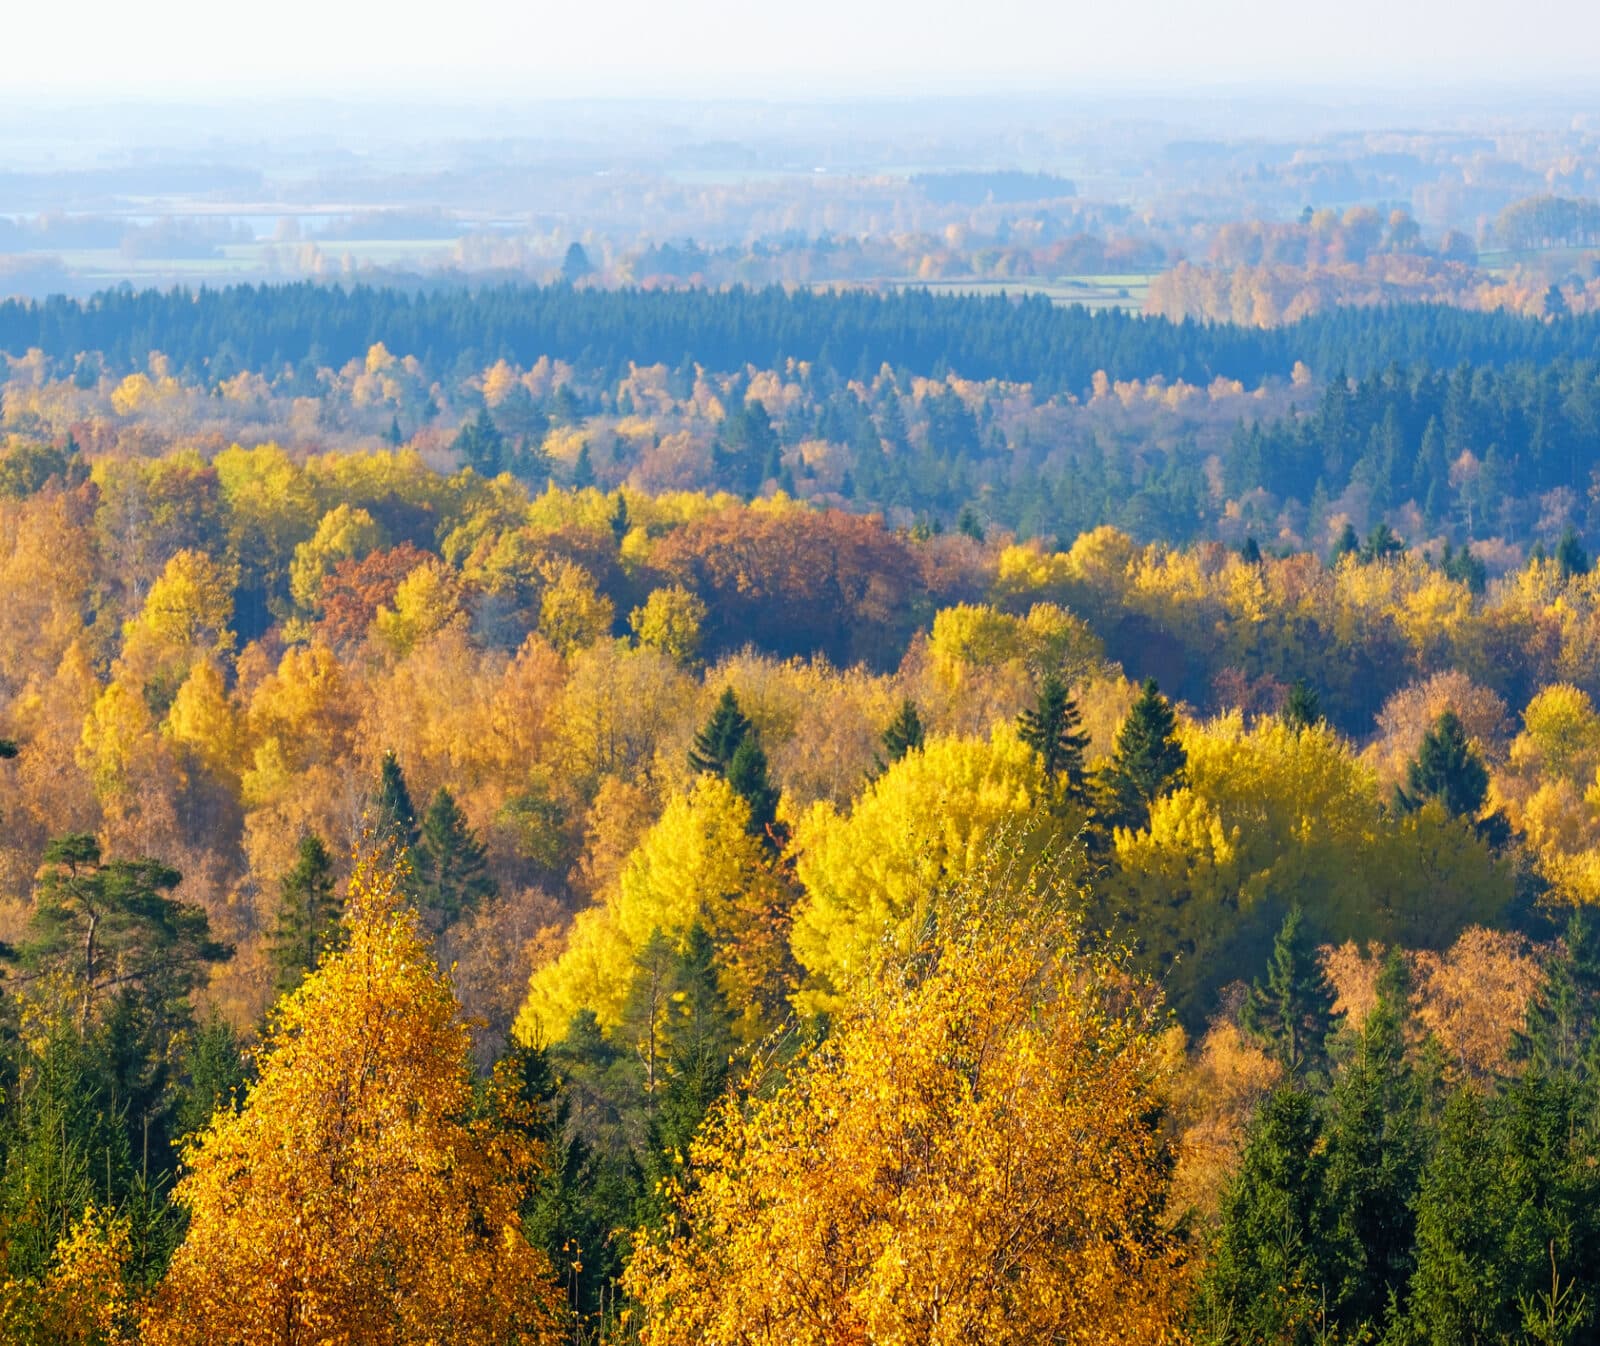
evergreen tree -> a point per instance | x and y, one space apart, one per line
214 1076
1302 708
1446 768
747 773
1570 557
620 522
395 818
1376 1147
396 439
480 445
66 1148
1559 1033
1250 553
1273 1269
1051 728
8 749
715 744
578 1197
582 469
904 734
1291 1014
968 524
1346 544
451 865
698 1041
309 909
576 264
1147 762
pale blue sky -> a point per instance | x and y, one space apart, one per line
715 47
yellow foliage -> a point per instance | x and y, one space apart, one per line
204 721
869 874
351 1198
83 1299
670 621
969 1157
690 867
342 534
428 600
573 614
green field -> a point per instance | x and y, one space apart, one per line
1110 291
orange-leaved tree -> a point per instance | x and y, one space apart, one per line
359 1196
971 1155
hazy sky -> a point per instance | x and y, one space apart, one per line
711 47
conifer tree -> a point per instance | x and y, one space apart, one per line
1570 557
1051 728
451 865
697 1037
747 773
620 522
903 734
1446 768
1302 709
309 909
1291 1014
1376 1147
395 817
582 468
1272 1268
1147 762
481 445
1560 1031
715 744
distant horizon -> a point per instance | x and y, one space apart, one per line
483 49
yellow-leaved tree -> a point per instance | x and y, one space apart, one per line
355 1197
970 1156
869 874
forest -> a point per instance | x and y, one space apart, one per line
554 814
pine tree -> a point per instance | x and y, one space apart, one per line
395 820
582 468
1302 708
8 749
1250 553
1291 1014
1446 768
968 524
451 865
620 522
1051 728
715 744
309 909
1346 544
904 734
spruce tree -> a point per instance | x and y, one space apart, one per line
1273 1266
1291 1014
747 773
903 734
715 744
1570 557
1446 768
395 818
309 909
697 1038
1147 762
620 523
1376 1148
1051 728
451 865
1559 1032
481 445
1302 708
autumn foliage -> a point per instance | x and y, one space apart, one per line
969 1156
353 1197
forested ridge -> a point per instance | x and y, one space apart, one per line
502 842
850 332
